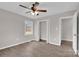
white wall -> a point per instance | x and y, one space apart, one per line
12 29
54 29
43 30
66 29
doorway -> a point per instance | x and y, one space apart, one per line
66 32
43 31
74 31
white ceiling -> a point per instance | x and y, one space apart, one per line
52 7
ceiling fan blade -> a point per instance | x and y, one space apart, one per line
28 12
36 3
42 10
25 7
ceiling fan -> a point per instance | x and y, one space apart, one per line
34 9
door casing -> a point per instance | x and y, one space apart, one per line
46 27
61 31
60 26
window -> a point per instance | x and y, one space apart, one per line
28 27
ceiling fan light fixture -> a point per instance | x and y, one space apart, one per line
32 13
35 13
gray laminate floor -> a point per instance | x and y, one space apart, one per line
38 49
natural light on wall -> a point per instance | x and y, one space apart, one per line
28 27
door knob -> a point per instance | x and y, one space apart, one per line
75 34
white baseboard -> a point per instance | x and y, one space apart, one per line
54 43
14 44
36 39
67 40
78 53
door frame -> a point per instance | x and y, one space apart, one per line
76 34
60 26
47 29
61 31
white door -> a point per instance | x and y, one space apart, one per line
75 33
43 30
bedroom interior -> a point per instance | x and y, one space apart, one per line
39 29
